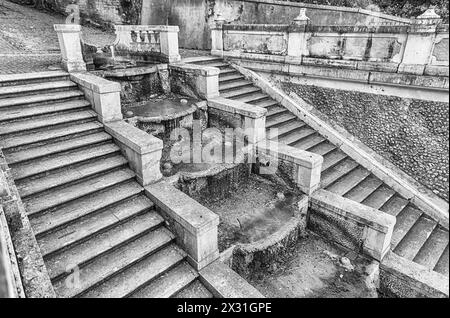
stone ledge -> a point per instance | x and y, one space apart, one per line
223 282
95 83
67 28
195 69
135 71
236 107
132 137
160 28
400 277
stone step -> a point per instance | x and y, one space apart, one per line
45 121
416 237
434 247
85 228
194 290
333 158
349 181
219 64
405 221
41 98
37 88
114 262
56 147
161 272
39 203
251 98
224 87
240 92
52 135
227 70
32 186
200 60
265 103
61 160
394 205
295 137
336 172
443 264
59 264
323 148
290 127
364 189
24 112
32 78
169 283
94 203
277 121
309 142
224 78
379 197
276 110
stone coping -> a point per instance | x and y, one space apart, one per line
95 83
67 28
135 71
133 137
284 152
378 220
31 76
236 107
184 210
223 282
159 28
195 69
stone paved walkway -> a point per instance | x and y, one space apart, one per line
28 42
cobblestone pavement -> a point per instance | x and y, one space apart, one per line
28 42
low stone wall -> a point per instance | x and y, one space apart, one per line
413 134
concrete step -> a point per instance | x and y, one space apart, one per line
296 136
240 92
85 228
56 147
45 121
145 275
39 203
194 290
405 221
364 189
37 88
277 121
32 186
41 98
61 160
59 264
434 247
8 143
379 197
443 265
394 205
24 112
333 158
94 203
336 172
224 78
349 181
169 283
288 128
251 98
416 237
114 262
32 78
309 142
232 85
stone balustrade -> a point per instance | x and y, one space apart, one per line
419 48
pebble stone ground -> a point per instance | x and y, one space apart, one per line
28 42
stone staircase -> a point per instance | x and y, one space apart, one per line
98 233
416 237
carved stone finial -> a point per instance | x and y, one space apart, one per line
429 16
219 18
301 18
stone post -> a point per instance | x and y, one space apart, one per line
169 43
217 36
419 44
297 36
70 45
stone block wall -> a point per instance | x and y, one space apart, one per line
413 134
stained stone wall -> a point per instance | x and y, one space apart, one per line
413 134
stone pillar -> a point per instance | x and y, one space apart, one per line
169 43
203 80
70 45
297 36
419 43
217 36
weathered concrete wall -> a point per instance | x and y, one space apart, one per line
413 134
196 16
